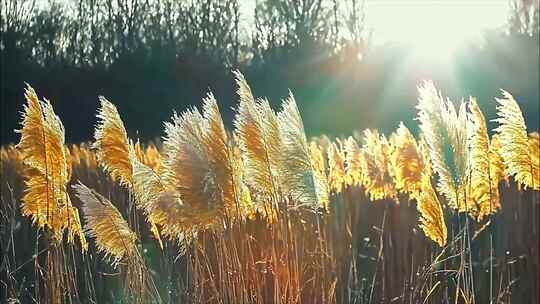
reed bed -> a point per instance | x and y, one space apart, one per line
262 214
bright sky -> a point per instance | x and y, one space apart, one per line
434 28
415 19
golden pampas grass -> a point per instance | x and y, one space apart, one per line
259 140
43 154
515 149
198 166
146 187
161 204
112 144
407 161
319 164
431 213
424 152
336 167
354 163
47 170
219 154
317 157
114 238
246 206
187 168
117 154
428 205
377 177
186 165
301 183
445 132
105 224
483 191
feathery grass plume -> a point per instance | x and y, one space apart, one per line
46 171
141 189
42 150
181 222
117 242
424 152
245 202
514 142
354 163
106 225
534 150
318 162
160 202
259 140
220 155
407 161
336 167
115 152
445 132
186 164
146 187
160 192
301 182
431 213
197 164
318 146
484 190
377 179
112 144
317 157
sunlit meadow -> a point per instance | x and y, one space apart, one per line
442 210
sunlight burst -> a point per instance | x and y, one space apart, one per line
434 29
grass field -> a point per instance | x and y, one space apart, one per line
261 214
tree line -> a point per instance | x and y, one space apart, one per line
99 33
148 54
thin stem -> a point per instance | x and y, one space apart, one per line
379 256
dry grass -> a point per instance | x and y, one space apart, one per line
264 215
